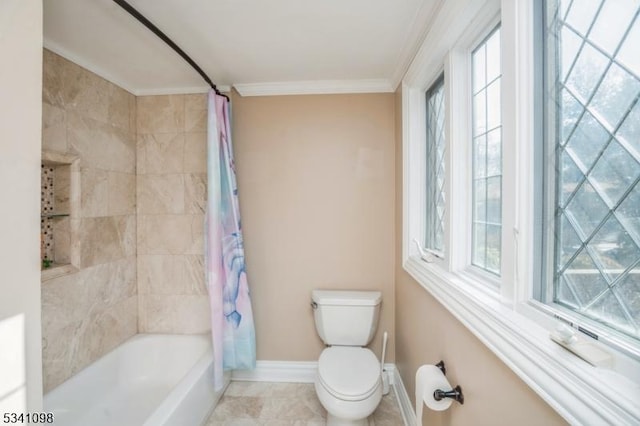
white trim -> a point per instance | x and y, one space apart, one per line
291 372
580 393
59 50
419 29
314 87
279 371
404 400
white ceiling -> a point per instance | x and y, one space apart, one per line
258 46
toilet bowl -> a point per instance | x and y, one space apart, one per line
348 384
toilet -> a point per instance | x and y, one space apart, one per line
348 383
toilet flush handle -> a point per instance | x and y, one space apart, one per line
314 305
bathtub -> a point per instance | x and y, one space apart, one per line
149 380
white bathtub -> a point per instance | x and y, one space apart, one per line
149 380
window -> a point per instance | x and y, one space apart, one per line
487 155
435 167
593 133
553 213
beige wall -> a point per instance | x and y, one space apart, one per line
315 181
427 333
171 194
20 116
87 313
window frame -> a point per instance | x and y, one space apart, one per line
505 317
492 277
438 82
546 208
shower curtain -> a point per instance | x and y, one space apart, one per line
232 325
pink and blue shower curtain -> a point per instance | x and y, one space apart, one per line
232 325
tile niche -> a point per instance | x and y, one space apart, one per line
59 249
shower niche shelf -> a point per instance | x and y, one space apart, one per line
58 212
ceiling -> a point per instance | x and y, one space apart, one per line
258 46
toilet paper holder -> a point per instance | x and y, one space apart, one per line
455 393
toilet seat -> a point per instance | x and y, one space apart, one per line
349 373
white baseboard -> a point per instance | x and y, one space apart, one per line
279 371
404 401
291 372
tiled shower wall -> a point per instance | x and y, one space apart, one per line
87 313
142 199
171 194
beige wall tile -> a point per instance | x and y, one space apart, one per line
160 114
195 193
59 347
195 121
171 274
195 153
100 146
195 280
72 87
62 189
195 102
118 108
196 245
160 274
160 153
133 114
54 128
122 193
110 283
52 78
87 94
161 194
105 239
174 314
94 186
103 330
87 313
76 345
64 300
167 234
62 240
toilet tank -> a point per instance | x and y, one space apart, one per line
346 318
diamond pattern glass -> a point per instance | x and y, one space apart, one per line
435 167
593 76
487 154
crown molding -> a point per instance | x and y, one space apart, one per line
314 87
420 27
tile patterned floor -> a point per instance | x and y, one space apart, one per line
286 404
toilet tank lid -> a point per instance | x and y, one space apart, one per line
346 297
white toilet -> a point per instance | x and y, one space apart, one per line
348 383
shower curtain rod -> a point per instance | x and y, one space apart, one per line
144 21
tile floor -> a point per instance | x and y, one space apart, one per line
286 404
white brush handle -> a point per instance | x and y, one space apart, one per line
384 350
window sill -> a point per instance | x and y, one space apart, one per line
579 392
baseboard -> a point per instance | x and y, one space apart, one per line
279 371
290 371
404 401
